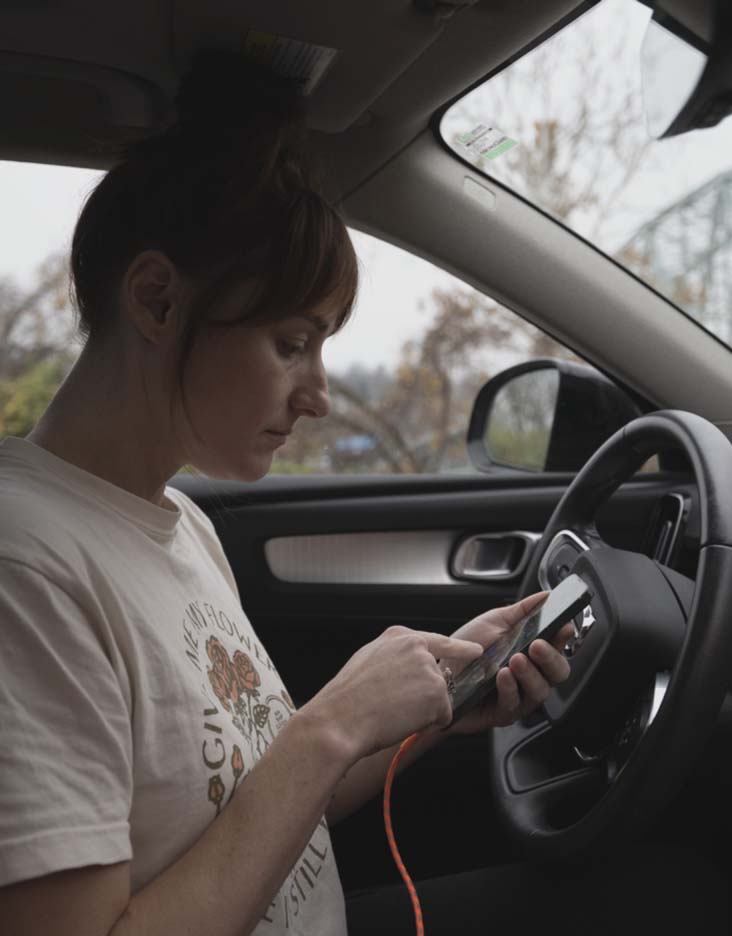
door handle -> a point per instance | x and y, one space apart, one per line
493 557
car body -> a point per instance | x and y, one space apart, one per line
326 562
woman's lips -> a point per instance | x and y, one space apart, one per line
279 437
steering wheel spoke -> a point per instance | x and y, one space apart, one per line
636 724
563 800
544 782
559 557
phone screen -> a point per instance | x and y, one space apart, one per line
479 677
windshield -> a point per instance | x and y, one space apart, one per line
564 127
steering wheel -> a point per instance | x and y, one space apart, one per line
650 664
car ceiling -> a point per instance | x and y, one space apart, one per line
77 75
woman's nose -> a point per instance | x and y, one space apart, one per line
312 397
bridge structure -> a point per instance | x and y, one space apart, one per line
685 252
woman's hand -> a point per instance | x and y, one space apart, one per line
525 683
391 688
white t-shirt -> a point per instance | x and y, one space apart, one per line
134 693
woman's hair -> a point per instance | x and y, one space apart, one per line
226 193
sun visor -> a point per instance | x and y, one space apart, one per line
345 62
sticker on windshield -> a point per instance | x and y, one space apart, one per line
485 142
301 61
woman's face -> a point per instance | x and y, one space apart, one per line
246 387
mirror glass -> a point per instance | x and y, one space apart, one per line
671 69
519 425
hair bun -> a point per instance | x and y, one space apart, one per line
225 90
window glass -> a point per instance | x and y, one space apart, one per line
564 126
37 345
403 372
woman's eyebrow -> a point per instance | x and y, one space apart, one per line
315 320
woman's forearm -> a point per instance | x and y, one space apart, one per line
366 778
224 884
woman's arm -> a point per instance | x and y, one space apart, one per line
224 884
366 778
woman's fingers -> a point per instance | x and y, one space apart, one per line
512 614
509 696
535 687
528 679
552 663
453 648
522 685
564 636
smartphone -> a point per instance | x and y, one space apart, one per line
478 679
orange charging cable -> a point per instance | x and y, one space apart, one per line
405 745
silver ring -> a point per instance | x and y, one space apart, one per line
449 681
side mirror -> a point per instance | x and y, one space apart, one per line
545 415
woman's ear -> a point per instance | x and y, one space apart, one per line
151 294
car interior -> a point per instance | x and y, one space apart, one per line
637 745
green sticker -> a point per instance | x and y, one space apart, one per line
501 148
486 142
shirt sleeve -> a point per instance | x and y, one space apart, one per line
65 734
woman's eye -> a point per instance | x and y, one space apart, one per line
290 349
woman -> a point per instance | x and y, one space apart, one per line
155 777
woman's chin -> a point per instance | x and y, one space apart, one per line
255 467
249 468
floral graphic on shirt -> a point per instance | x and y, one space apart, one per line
237 762
221 676
242 690
246 674
278 714
216 790
236 686
237 768
261 715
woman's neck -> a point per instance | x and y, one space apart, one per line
103 422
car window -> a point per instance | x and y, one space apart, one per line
403 372
37 346
564 127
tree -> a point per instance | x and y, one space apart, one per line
417 419
23 400
36 344
35 323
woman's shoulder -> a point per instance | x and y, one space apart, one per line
39 522
63 527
